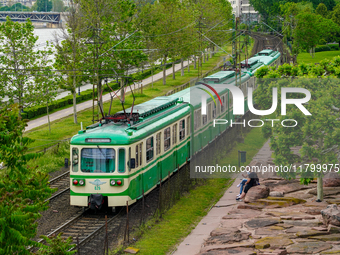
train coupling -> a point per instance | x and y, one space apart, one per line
96 201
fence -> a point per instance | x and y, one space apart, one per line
45 149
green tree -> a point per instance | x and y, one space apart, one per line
57 246
311 29
46 84
214 17
318 134
69 56
23 190
330 4
164 28
112 40
322 10
20 61
58 6
336 19
44 5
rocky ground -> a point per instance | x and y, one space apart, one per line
280 217
292 224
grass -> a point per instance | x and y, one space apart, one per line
307 58
52 160
65 128
252 142
177 223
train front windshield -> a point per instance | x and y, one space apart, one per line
98 160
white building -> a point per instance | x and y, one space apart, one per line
245 10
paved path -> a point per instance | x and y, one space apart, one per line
88 104
193 243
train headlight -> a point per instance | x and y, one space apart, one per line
113 182
119 182
81 182
75 182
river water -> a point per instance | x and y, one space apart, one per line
46 34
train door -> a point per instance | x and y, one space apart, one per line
139 178
188 150
175 161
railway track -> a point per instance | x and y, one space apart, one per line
62 182
85 227
273 41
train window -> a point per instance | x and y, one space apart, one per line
129 159
204 119
158 143
137 158
181 130
197 119
209 112
75 159
188 125
167 135
121 160
214 111
98 160
149 149
174 134
223 103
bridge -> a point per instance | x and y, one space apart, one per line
46 17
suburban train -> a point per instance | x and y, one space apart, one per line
116 161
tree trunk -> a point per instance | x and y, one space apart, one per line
152 77
182 67
320 188
48 117
164 70
99 92
74 105
188 65
203 57
173 71
195 64
122 91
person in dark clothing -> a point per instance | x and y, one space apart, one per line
252 180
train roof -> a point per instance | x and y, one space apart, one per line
219 76
156 104
251 61
123 134
265 52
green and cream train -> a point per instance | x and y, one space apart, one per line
115 162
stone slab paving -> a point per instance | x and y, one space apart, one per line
292 224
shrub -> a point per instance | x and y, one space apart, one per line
322 48
328 47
